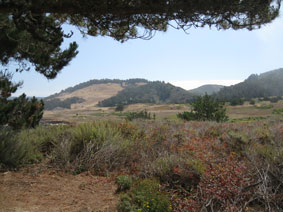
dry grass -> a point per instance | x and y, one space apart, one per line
92 94
246 110
78 115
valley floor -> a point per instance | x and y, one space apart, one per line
169 112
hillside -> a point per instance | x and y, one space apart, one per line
153 92
109 93
122 83
87 95
209 89
263 85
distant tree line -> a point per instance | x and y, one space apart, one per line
51 104
256 86
153 93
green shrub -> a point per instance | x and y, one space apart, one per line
237 141
205 109
176 170
119 108
252 101
138 115
235 102
264 135
278 111
188 116
124 182
44 138
92 135
275 99
144 196
100 146
163 168
270 153
15 152
126 205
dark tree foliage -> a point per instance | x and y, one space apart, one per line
31 30
119 108
205 109
255 86
36 40
51 104
18 112
236 101
139 115
151 93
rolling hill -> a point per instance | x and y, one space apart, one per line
209 89
88 94
264 85
153 92
109 93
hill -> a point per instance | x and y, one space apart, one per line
87 95
153 92
263 85
209 89
109 93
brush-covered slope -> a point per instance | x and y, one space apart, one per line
209 89
87 95
263 85
153 92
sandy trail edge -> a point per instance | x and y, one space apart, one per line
33 189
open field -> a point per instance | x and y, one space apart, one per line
78 115
107 113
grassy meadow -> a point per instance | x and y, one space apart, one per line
260 110
165 164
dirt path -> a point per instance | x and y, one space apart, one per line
33 189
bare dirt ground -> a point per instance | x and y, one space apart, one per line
36 189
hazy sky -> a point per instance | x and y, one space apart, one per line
204 56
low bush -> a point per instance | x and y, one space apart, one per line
252 102
14 152
266 159
138 115
235 102
119 108
205 109
278 111
44 138
275 99
124 182
175 171
144 196
202 166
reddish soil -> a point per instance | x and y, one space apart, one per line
36 189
